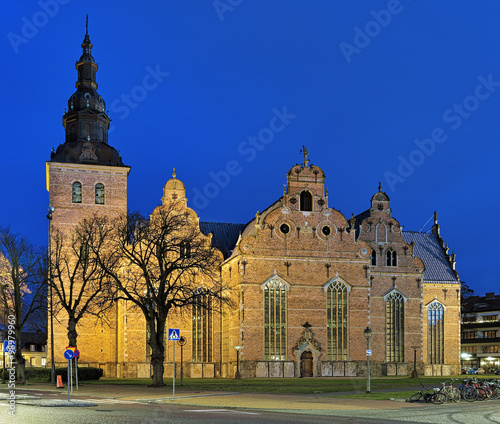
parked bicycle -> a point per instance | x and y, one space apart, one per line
428 395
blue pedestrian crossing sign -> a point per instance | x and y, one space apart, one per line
174 334
68 354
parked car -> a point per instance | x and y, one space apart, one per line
472 371
497 371
480 371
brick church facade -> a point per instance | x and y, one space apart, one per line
305 280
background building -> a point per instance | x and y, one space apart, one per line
480 326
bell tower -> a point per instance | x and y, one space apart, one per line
86 175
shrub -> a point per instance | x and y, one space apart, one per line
42 375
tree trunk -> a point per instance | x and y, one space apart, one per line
72 334
157 352
19 363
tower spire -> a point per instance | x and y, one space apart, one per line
87 25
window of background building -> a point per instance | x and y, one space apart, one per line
336 321
469 335
490 349
435 324
469 349
394 332
275 320
202 329
490 334
490 317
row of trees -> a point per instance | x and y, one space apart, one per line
159 264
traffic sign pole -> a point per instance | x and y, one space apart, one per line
173 380
68 354
174 336
69 361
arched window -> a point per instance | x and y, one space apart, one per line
374 257
99 194
391 258
435 323
395 327
202 328
336 321
306 201
275 320
77 192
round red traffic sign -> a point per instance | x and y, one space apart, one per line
76 353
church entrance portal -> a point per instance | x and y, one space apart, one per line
306 364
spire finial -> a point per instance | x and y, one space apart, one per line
87 25
435 217
305 152
174 174
379 186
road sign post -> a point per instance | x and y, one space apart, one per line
68 354
174 336
76 354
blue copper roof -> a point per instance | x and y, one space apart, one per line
428 248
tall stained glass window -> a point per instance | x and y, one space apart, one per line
435 335
395 327
337 320
275 320
202 329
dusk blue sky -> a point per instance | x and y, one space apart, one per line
357 83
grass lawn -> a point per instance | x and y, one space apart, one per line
293 385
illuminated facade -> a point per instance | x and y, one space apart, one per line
305 280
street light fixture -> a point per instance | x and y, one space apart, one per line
237 375
53 367
368 333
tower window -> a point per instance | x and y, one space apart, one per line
185 250
392 258
99 194
77 192
374 257
306 203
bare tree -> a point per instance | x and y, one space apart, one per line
167 264
23 287
79 283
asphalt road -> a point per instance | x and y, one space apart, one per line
111 411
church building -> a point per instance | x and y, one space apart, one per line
307 283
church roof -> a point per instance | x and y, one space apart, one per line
428 248
225 235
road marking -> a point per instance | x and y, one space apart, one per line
230 411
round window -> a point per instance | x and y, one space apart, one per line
284 228
326 230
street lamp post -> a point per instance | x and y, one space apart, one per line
414 373
237 375
368 333
53 367
182 341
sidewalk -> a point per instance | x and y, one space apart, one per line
163 395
